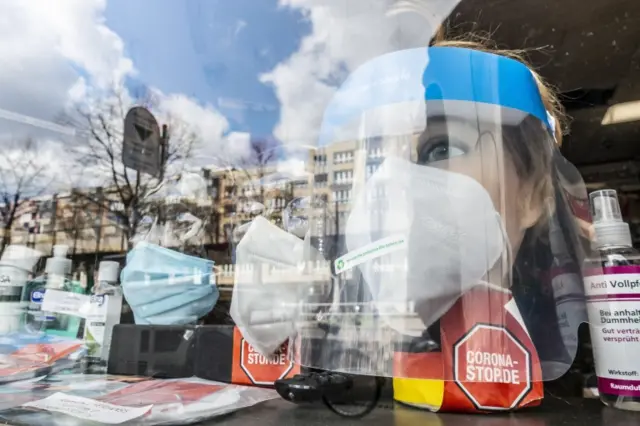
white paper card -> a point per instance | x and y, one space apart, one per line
89 409
64 302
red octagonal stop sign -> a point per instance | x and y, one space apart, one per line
261 370
490 361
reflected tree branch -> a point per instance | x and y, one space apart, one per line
100 158
22 177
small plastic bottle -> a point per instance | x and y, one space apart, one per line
612 287
58 281
56 270
104 310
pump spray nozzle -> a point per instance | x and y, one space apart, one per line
609 227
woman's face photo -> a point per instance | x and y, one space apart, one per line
475 149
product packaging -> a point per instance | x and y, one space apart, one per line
486 361
212 352
28 356
143 402
612 285
236 361
162 351
15 394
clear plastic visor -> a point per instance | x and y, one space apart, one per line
437 259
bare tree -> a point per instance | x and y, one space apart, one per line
76 219
261 155
249 171
101 124
22 177
250 168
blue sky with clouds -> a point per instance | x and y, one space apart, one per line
205 59
211 50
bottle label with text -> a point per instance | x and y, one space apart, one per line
613 302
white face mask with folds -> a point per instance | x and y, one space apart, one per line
435 237
264 301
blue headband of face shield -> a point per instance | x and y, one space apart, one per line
165 287
434 73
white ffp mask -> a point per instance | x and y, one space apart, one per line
452 236
264 300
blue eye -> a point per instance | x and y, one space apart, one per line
439 151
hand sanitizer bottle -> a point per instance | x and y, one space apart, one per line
104 310
612 287
62 301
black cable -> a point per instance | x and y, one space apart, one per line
367 407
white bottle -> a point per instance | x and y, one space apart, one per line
58 268
103 312
15 266
59 304
612 287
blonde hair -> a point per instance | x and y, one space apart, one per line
483 43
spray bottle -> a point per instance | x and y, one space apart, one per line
104 309
612 287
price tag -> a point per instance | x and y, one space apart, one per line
63 302
89 409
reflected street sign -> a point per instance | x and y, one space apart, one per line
142 148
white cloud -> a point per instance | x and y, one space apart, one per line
28 171
40 44
207 123
237 144
57 53
54 53
344 34
293 168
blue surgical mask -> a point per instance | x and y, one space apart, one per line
165 287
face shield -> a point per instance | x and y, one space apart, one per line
184 199
449 222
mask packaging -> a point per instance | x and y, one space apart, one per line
103 311
131 401
16 264
269 281
165 287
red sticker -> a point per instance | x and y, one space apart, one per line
262 370
250 367
491 354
